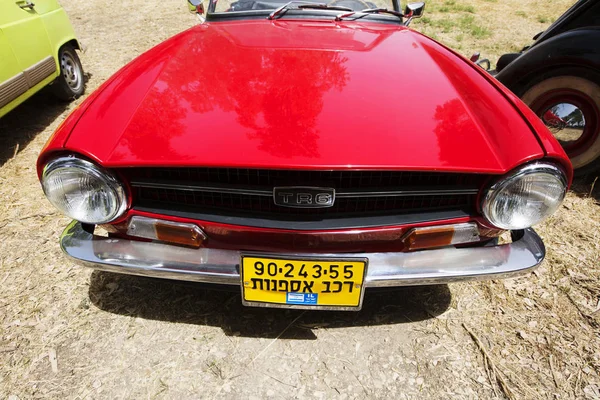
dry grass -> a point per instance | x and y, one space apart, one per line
66 332
493 27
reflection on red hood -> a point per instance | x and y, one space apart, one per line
298 94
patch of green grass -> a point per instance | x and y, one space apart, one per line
521 14
446 25
480 32
466 21
451 6
541 19
461 26
436 25
467 24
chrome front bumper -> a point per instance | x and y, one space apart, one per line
385 269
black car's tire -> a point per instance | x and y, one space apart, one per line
70 83
577 88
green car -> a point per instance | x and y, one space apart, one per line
37 48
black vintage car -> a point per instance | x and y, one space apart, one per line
558 77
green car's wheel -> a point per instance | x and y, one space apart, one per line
69 85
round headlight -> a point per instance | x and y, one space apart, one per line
526 197
83 191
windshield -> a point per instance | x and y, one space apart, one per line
227 6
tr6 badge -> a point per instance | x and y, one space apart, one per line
304 197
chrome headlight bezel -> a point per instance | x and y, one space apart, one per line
491 194
110 183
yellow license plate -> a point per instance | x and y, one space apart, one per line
319 283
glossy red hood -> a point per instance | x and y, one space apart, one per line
299 94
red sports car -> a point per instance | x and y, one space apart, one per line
304 153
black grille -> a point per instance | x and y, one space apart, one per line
267 178
362 184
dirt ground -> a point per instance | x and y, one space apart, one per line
68 332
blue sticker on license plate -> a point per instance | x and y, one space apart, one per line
301 298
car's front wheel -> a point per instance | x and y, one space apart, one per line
70 83
568 102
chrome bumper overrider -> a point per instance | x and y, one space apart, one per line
385 269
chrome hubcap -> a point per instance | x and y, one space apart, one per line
566 122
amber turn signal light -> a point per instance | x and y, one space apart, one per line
440 236
166 231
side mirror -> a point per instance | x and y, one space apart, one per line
414 10
196 6
482 62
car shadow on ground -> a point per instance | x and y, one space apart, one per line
587 187
192 303
20 126
24 123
